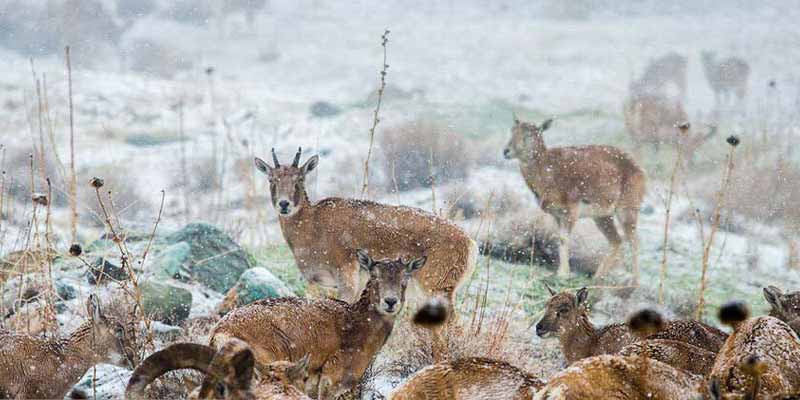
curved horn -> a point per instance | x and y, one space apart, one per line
177 356
235 360
296 161
275 159
549 289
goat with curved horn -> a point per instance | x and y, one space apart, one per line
177 356
296 161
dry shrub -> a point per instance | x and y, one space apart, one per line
129 203
18 175
156 59
766 192
416 151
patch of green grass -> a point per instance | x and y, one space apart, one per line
150 139
279 260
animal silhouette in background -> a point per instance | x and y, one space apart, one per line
599 182
726 77
659 73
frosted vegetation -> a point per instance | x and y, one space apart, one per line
180 96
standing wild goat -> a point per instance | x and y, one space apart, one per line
725 77
784 306
228 372
669 68
341 338
766 340
472 378
587 181
38 368
325 235
565 315
654 119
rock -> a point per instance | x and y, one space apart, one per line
323 109
166 303
214 259
65 290
254 284
167 333
170 262
109 383
101 270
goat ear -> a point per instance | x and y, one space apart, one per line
93 308
242 365
416 264
299 370
581 296
364 260
310 164
773 295
262 166
546 125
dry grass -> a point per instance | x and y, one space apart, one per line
417 151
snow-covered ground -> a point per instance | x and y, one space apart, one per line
464 65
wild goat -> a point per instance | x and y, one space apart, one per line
767 339
675 353
725 77
472 378
39 368
669 68
784 306
565 315
341 338
622 377
654 119
587 181
324 236
229 373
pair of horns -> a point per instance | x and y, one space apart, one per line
296 161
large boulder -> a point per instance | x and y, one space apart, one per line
254 284
103 382
165 302
213 259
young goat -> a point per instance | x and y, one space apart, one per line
565 315
669 68
622 377
767 340
784 306
325 235
472 378
342 338
229 373
39 368
600 182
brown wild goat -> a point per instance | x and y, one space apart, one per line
622 377
229 373
725 77
472 378
566 316
766 339
654 119
342 339
600 182
669 68
784 306
38 368
325 235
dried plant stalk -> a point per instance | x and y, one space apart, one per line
375 115
73 179
733 141
673 179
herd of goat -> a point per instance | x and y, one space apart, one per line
303 348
